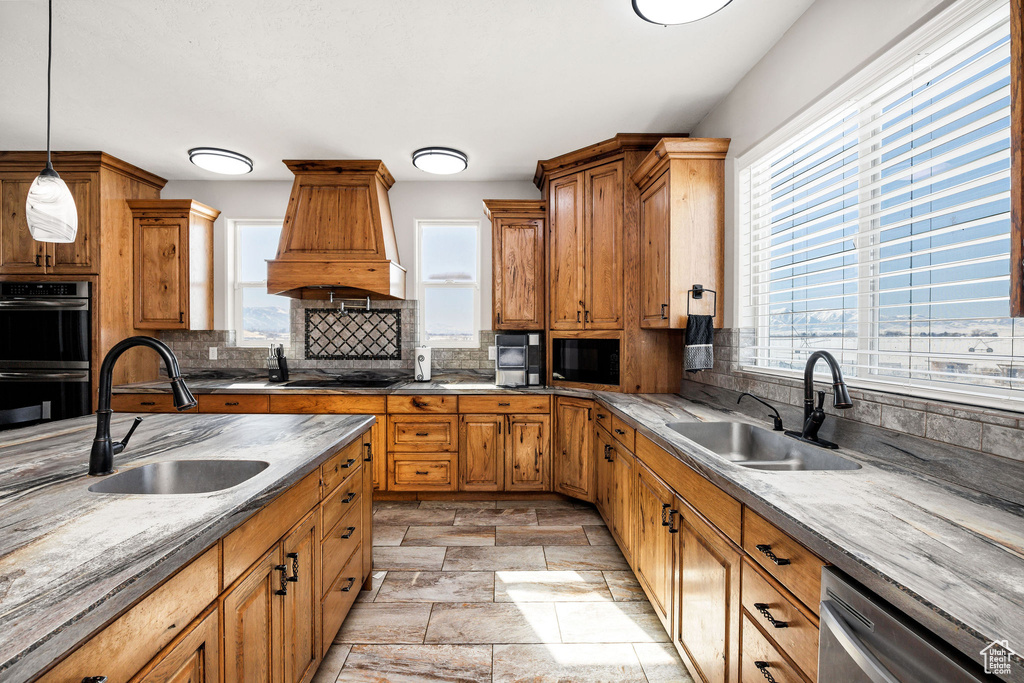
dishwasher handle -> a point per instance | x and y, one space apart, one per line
849 641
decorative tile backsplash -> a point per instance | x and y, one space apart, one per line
332 334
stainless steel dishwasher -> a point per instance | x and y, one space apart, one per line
866 640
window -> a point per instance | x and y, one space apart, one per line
258 318
878 227
448 264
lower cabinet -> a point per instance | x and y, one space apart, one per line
574 454
193 658
527 453
504 453
623 499
655 547
253 620
301 550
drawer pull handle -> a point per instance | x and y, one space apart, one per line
283 590
504 404
601 416
608 457
294 557
351 530
351 582
422 433
763 609
89 679
671 520
349 498
351 461
664 509
420 472
148 403
763 667
766 550
663 316
369 452
620 432
231 403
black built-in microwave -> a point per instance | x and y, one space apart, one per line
587 361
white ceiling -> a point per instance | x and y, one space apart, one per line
506 81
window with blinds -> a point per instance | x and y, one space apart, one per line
881 232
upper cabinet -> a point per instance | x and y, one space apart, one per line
682 227
587 249
173 246
517 228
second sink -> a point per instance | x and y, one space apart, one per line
173 477
757 448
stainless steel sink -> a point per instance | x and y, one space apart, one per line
173 477
762 449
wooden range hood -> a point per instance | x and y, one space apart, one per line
338 236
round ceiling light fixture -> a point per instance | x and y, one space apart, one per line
668 12
440 160
220 160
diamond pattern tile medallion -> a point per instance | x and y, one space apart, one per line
353 335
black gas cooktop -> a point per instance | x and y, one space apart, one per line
351 381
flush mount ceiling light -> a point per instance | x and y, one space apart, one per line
440 160
220 160
50 209
666 12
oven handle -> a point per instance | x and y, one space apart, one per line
866 661
41 304
42 376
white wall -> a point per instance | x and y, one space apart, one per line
410 201
826 45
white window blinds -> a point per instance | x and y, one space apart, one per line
881 231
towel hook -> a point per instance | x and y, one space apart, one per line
698 292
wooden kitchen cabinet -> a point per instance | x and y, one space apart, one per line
517 237
193 658
574 455
173 247
253 624
481 452
301 605
567 252
623 496
604 466
682 229
527 453
655 545
504 453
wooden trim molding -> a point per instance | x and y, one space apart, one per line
1017 158
620 143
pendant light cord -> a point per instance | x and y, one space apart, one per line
49 62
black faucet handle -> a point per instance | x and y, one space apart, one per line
131 430
821 401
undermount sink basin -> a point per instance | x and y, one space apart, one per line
173 477
762 449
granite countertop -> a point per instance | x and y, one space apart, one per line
72 560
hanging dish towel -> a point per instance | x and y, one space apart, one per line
700 338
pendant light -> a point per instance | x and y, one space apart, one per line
50 209
666 12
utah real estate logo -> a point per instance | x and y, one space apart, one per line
997 656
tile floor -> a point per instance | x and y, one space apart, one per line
499 591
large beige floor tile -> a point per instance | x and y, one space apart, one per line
449 535
540 535
417 664
385 534
413 517
609 622
330 667
624 586
536 504
585 558
490 559
395 505
408 558
376 580
558 517
599 535
550 587
493 623
661 663
385 622
496 517
557 663
437 587
456 504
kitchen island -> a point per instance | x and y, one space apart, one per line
73 560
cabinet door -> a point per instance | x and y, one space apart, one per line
161 273
604 260
379 444
655 288
301 601
574 455
568 252
195 658
604 464
369 473
654 546
527 456
252 624
518 274
708 599
482 452
82 255
19 253
623 496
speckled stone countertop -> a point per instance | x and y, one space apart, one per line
932 529
71 560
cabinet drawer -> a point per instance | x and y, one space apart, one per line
343 499
799 637
759 658
502 405
423 404
338 545
340 596
624 434
603 417
420 472
239 403
341 466
796 568
144 403
326 404
423 433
